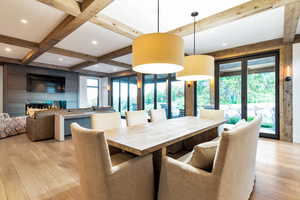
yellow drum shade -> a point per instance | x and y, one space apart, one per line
158 53
197 67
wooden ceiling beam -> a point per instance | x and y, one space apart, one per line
67 26
259 47
118 64
104 58
74 8
291 18
18 42
73 54
50 66
35 46
238 12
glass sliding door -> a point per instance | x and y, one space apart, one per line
133 93
261 92
230 91
149 87
162 92
177 99
116 94
249 86
204 97
124 94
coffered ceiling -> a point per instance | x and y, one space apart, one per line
95 40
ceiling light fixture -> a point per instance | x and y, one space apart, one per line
94 42
196 67
158 53
224 44
61 59
7 49
23 21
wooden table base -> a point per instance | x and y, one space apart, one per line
157 160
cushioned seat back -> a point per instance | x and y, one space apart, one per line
158 115
106 121
93 160
235 161
212 114
136 118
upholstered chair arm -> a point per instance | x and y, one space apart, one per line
188 182
133 179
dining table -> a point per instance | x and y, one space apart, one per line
154 138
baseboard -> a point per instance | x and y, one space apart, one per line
296 140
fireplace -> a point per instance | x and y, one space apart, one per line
46 105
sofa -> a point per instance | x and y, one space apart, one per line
10 126
41 126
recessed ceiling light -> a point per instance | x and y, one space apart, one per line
224 44
7 49
61 59
23 21
94 42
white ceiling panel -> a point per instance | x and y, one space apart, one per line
260 27
55 59
142 14
105 68
38 19
124 59
12 51
82 40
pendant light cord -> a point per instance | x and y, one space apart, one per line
194 35
158 16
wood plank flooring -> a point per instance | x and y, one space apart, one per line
47 170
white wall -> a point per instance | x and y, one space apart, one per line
296 93
103 93
1 89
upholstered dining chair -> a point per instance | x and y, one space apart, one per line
106 121
136 117
232 174
119 177
214 115
158 115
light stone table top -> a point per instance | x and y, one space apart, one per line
145 139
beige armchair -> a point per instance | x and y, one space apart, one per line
110 178
232 176
106 121
136 117
214 115
158 115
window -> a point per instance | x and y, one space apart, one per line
149 88
203 97
249 86
124 94
163 91
92 92
177 98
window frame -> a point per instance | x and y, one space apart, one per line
169 88
244 85
128 91
98 88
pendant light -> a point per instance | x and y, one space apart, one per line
196 67
158 53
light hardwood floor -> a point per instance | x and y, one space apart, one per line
47 170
